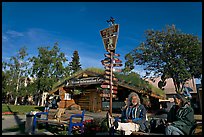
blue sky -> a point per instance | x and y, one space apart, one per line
76 26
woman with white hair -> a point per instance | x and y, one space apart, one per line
133 116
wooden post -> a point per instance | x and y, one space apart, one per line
110 36
200 97
111 83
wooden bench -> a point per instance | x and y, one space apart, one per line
65 120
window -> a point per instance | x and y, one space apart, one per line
67 96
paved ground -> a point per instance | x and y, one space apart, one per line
9 121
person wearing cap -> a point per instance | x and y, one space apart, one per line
171 115
184 118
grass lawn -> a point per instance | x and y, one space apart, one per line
21 109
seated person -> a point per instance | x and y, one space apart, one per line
171 116
184 120
133 117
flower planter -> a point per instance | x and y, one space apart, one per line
7 113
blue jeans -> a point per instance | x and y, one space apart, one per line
171 130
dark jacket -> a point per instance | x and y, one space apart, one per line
171 116
47 104
184 119
137 114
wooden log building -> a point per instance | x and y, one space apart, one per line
92 97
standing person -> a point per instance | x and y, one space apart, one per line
47 105
183 121
133 116
54 102
26 100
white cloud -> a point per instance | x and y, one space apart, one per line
6 58
14 33
35 34
4 38
140 70
36 37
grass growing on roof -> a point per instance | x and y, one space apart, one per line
92 69
157 90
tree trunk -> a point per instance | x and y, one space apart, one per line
174 81
16 100
17 87
42 102
38 102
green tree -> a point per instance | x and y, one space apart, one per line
75 64
128 64
48 68
14 70
58 60
5 79
170 54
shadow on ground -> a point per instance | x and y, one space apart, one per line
20 124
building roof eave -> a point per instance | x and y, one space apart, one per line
141 91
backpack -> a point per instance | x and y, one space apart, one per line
157 125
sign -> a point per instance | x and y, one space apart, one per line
109 31
117 65
108 86
115 79
105 61
84 81
117 55
107 68
117 70
106 95
108 77
116 58
114 54
117 61
105 86
107 72
110 37
106 82
107 55
110 43
106 65
114 91
114 88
